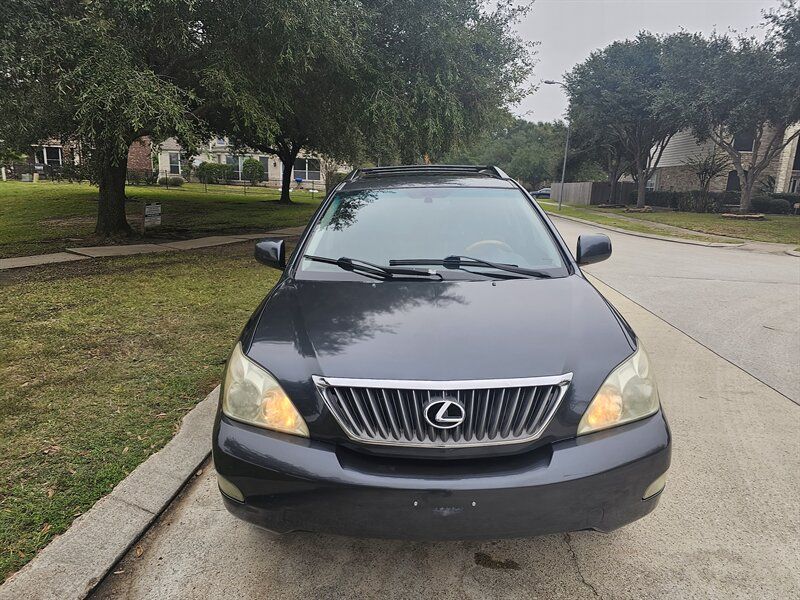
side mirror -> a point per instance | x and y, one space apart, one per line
592 248
271 252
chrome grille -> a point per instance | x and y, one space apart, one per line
392 412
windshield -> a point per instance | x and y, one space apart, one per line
379 226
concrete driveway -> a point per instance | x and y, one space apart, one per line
728 525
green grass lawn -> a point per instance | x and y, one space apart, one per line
611 220
784 229
47 217
101 359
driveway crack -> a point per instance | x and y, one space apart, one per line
568 540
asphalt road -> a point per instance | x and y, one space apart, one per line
728 525
743 305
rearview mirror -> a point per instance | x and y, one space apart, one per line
271 252
592 248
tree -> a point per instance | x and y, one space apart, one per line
527 151
388 81
751 122
616 89
602 149
103 73
252 170
708 166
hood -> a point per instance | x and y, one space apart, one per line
438 331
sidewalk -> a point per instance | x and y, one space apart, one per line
73 254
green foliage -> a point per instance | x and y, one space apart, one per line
615 91
172 181
210 172
252 170
333 179
791 198
763 104
440 73
529 152
708 166
390 81
696 201
138 177
771 205
102 73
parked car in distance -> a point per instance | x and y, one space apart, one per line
542 193
433 364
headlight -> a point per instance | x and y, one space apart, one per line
628 394
252 395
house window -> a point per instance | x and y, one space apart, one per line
307 169
220 141
236 163
49 155
733 184
650 186
794 186
174 163
744 142
796 165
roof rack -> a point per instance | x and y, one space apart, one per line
487 170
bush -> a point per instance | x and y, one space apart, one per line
790 198
209 172
172 180
252 170
771 205
141 177
691 201
333 180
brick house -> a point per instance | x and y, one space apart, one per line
672 173
52 155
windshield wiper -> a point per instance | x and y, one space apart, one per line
365 267
458 262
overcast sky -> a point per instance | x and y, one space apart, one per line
569 30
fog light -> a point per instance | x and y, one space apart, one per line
655 487
230 490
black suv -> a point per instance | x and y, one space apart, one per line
433 364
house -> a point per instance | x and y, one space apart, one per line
172 160
48 159
673 174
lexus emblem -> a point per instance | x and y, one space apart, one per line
444 413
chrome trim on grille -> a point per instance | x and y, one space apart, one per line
390 412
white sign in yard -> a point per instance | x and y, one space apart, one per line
152 215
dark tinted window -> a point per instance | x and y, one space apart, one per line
743 142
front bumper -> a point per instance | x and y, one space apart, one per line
591 482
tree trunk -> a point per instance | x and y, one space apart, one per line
112 169
641 188
287 156
746 195
612 195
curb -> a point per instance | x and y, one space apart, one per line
649 235
75 562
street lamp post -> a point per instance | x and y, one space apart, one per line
566 146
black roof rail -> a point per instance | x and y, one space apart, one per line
487 170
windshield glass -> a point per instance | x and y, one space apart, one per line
493 224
